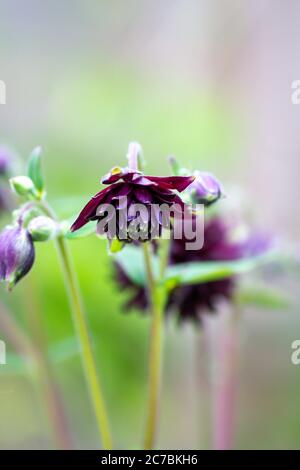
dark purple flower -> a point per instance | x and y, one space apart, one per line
16 254
127 189
205 189
191 301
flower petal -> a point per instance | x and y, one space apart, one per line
178 183
89 210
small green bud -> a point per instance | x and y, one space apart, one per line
42 229
115 245
22 185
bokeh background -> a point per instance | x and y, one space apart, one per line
210 82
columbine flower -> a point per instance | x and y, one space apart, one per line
206 189
16 254
192 301
127 191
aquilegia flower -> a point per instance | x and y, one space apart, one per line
16 254
128 209
191 301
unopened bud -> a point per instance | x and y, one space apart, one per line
42 228
22 185
205 189
16 254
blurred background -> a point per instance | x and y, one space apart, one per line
208 81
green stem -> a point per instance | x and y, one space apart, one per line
155 357
84 339
51 395
47 381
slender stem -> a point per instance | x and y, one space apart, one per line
80 323
84 339
21 343
15 335
155 357
55 407
202 389
47 381
224 382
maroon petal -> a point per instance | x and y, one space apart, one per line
117 174
143 195
178 183
89 210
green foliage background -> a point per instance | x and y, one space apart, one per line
77 88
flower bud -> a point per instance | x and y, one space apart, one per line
16 254
22 185
42 229
205 189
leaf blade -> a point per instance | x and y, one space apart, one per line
35 169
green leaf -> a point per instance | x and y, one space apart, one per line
194 273
263 297
131 260
84 231
35 169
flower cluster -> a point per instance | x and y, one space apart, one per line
136 207
30 222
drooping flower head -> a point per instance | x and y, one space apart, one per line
128 209
16 254
191 301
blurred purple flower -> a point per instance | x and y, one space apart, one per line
126 189
206 189
5 160
16 254
191 301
